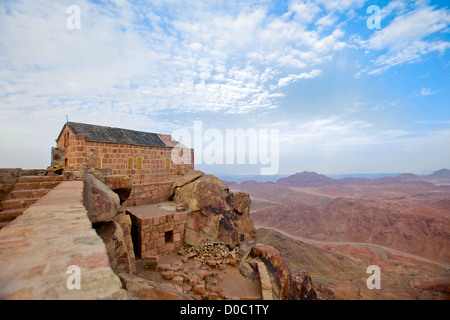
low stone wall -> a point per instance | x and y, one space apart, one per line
147 193
38 248
157 234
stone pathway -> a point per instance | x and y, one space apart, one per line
38 247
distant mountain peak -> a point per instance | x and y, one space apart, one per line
443 173
306 179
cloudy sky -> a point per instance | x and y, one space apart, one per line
344 97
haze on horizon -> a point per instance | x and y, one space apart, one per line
344 98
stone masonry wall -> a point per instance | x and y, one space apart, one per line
150 233
151 179
149 193
37 248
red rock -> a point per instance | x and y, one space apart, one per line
178 280
193 280
218 291
212 263
202 273
212 296
163 267
292 286
233 262
199 289
168 275
191 255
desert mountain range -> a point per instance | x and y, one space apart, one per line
406 216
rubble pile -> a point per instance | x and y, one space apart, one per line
210 255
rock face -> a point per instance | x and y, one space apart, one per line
116 235
215 213
103 207
100 201
287 285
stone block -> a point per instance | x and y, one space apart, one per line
178 280
100 201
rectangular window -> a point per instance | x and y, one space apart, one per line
168 163
168 236
100 163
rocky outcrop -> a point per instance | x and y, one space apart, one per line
116 234
103 208
151 290
215 213
100 201
286 284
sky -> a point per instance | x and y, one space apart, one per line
331 86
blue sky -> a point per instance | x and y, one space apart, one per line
344 98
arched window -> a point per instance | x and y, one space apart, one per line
139 162
167 163
130 163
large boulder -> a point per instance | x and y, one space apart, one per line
215 214
185 179
104 212
102 204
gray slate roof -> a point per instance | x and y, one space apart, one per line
116 135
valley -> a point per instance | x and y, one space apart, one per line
399 223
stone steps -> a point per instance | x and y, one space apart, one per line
36 185
41 178
18 203
26 192
30 194
9 215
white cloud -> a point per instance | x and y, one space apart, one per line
327 21
407 38
341 5
294 77
426 92
305 12
144 58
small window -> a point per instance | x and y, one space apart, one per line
168 236
139 162
66 162
100 163
66 139
168 163
130 163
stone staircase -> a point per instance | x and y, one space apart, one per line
27 191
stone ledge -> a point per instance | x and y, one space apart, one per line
37 248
